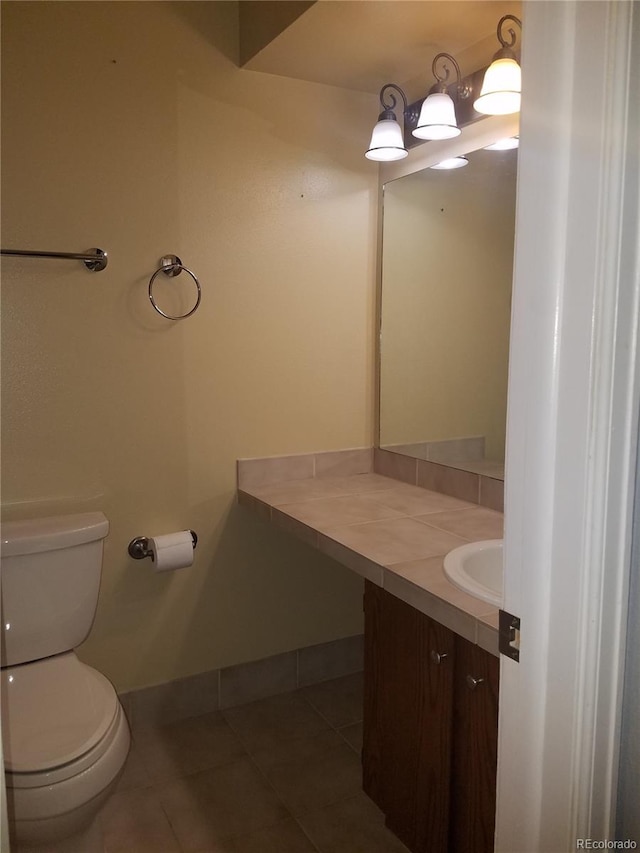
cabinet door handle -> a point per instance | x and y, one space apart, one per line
472 682
438 657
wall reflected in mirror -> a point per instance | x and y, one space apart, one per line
447 268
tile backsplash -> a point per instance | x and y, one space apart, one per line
465 485
276 469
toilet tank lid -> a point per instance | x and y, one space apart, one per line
34 535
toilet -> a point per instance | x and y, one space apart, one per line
64 734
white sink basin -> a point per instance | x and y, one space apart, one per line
476 568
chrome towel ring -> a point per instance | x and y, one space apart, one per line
171 265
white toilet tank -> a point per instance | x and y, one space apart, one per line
50 582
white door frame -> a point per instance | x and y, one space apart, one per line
574 391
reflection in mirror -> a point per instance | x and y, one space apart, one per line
447 266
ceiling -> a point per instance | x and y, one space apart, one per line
363 44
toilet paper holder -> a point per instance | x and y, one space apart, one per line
139 547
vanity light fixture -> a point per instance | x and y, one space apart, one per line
451 163
438 115
387 139
500 93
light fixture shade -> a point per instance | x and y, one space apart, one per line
437 118
504 144
500 93
387 142
451 163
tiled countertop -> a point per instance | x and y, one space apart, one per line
391 533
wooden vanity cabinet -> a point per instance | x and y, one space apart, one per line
430 734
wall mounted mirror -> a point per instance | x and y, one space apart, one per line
445 306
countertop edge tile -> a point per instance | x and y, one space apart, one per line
351 559
487 638
295 527
262 509
431 605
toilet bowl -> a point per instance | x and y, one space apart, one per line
64 734
63 756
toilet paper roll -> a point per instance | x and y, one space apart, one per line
172 551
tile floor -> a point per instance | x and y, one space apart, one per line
281 775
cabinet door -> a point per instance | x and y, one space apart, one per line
434 724
430 734
407 721
475 747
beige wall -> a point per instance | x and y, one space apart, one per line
446 302
129 126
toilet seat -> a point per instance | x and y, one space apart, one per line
45 812
61 716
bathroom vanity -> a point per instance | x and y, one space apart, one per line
430 729
431 650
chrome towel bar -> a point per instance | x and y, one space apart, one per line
93 259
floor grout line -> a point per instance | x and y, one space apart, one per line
153 786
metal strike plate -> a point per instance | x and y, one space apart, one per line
509 635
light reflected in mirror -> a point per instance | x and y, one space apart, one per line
447 268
